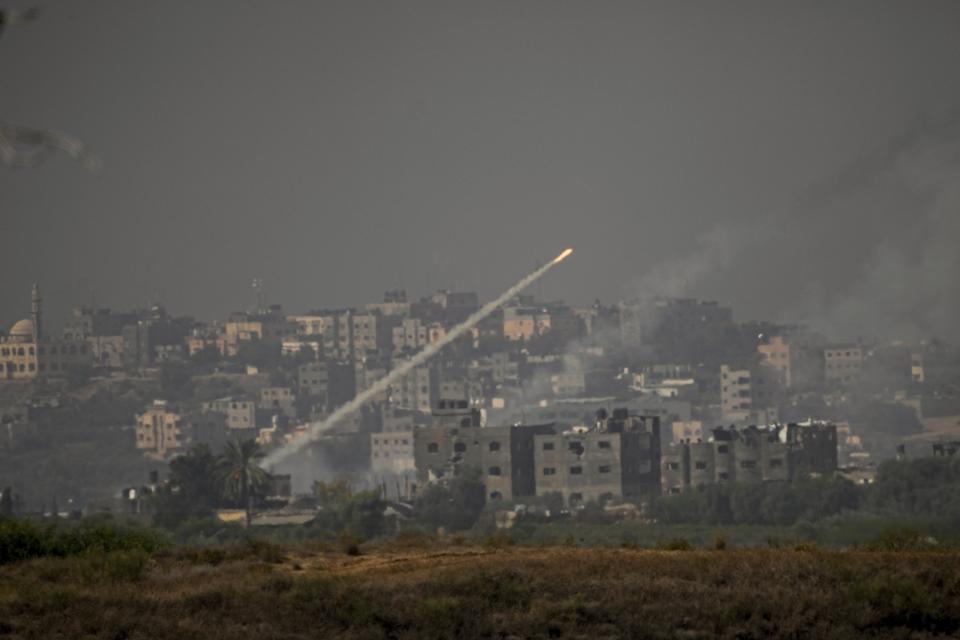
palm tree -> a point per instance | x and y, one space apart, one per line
240 472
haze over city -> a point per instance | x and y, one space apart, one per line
337 149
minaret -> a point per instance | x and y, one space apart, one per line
37 313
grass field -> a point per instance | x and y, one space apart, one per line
423 590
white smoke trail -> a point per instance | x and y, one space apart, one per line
399 372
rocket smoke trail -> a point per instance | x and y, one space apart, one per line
402 370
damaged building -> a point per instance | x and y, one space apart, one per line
780 452
617 457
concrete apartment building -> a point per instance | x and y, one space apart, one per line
678 329
313 379
161 430
749 396
164 431
414 391
278 400
525 323
347 334
735 394
775 352
752 454
842 364
270 326
688 430
392 453
503 455
409 336
240 412
617 458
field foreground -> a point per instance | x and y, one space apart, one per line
262 591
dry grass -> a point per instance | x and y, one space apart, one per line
424 591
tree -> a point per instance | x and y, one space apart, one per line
331 495
240 474
191 491
363 514
456 505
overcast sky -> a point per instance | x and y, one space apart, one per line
338 149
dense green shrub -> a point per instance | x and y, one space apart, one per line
23 540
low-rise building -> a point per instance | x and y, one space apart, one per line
240 412
278 400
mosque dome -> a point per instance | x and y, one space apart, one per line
22 330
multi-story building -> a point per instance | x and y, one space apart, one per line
391 453
312 380
619 458
409 336
775 353
163 430
688 430
413 391
240 412
735 396
751 454
676 329
270 327
84 322
842 363
503 455
278 400
749 395
525 323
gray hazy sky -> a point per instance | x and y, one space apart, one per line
763 154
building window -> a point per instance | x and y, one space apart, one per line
700 465
673 466
576 471
748 464
32 352
722 448
548 446
549 471
776 463
433 447
493 471
494 446
459 447
576 497
496 495
604 444
604 468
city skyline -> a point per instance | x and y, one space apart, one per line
344 149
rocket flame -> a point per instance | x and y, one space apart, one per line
382 385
